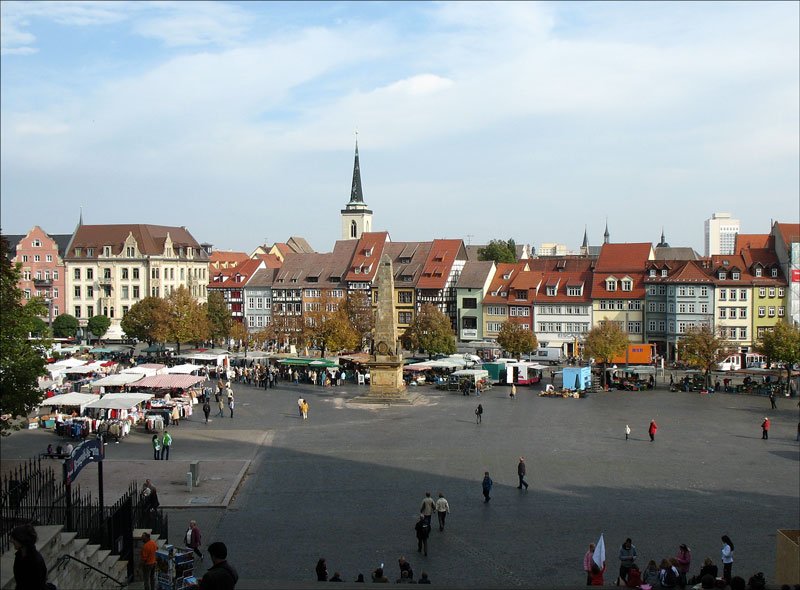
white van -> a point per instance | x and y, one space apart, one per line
731 363
550 355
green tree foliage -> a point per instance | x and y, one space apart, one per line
65 326
604 342
515 339
187 319
703 349
499 251
430 331
20 363
781 345
39 328
219 316
98 325
147 320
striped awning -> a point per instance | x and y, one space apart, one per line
168 381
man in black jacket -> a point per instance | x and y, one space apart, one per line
221 575
423 531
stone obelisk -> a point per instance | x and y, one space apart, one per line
386 362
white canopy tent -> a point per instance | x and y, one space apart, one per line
69 399
141 370
183 369
119 401
117 380
476 373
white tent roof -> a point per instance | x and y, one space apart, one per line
85 369
477 373
70 362
183 369
140 370
69 399
119 401
117 380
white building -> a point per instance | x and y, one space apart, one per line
720 234
356 217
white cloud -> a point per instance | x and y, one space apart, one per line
195 23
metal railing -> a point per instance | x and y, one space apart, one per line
61 563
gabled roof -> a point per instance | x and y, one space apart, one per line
227 258
504 276
13 240
680 271
271 260
675 253
369 249
789 232
475 273
408 260
624 257
729 263
263 277
235 277
299 245
574 275
751 241
150 239
439 263
316 270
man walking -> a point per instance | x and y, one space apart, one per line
521 470
487 487
148 561
193 538
772 400
166 443
231 404
442 510
221 575
479 414
427 508
423 530
765 429
206 410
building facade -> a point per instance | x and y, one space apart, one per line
472 285
720 234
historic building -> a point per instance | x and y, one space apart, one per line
472 285
231 283
786 242
356 217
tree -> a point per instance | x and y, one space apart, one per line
328 326
358 307
20 363
515 339
98 325
499 251
604 342
39 327
65 326
187 319
703 349
219 316
147 320
430 331
239 334
781 345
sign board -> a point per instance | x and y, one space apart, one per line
796 275
469 333
84 453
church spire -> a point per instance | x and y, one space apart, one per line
585 239
356 194
606 235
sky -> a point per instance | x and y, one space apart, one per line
531 121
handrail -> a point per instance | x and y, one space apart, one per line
61 562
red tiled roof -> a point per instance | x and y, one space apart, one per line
367 256
751 241
439 263
681 271
229 276
502 284
615 258
232 258
271 260
790 232
150 239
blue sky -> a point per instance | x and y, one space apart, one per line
475 120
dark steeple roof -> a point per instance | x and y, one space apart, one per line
606 235
585 239
356 194
663 242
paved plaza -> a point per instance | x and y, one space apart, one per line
346 484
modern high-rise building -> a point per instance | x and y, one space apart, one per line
720 234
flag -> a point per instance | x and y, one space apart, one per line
599 555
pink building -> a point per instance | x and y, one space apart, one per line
42 260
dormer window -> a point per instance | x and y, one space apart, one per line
652 272
89 251
551 291
77 251
627 285
368 252
774 272
574 291
611 284
663 272
722 275
106 250
758 271
735 276
507 276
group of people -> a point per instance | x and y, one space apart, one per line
161 446
406 574
671 572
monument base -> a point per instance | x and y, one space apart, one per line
386 385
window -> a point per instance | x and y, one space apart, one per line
742 313
722 275
682 291
651 306
774 272
55 310
36 243
682 327
742 294
496 310
634 327
762 311
49 258
662 326
635 304
124 310
27 293
89 311
757 271
466 303
124 273
781 311
125 292
89 291
183 274
733 295
703 291
652 272
89 252
24 258
762 292
136 291
77 292
651 325
723 294
76 274
735 276
55 292
77 311
780 292
742 333
520 294
704 308
690 308
89 273
469 323
772 291
77 253
259 321
681 308
130 251
663 272
619 304
259 303
55 275
627 285
38 275
651 290
405 317
723 313
771 311
551 291
312 292
408 297
611 285
135 273
690 291
106 250
662 290
493 326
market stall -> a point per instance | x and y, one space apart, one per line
171 392
119 413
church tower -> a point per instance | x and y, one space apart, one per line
356 218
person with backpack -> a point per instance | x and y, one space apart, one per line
668 574
156 448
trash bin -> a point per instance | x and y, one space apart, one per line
194 469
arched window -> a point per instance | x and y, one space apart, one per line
353 229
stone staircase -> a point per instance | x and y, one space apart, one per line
54 543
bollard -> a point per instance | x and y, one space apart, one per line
194 469
189 481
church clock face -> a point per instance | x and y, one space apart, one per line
383 348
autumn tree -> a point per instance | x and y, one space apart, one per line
781 345
65 326
239 334
701 348
358 307
499 251
147 320
20 363
219 316
285 329
187 319
430 331
515 339
98 325
604 342
328 326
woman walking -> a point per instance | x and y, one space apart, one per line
156 448
727 558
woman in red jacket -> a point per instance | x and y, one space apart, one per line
652 430
596 574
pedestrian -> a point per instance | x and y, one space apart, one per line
148 561
360 578
377 576
193 538
513 391
221 575
521 471
206 410
772 399
596 574
486 485
156 448
176 415
300 402
627 558
231 404
423 530
166 443
322 570
337 577
427 508
405 568
150 495
305 410
587 564
727 558
30 570
652 430
442 510
765 429
424 579
221 407
627 432
684 558
479 414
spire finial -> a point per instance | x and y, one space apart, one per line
606 235
80 218
585 238
356 194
